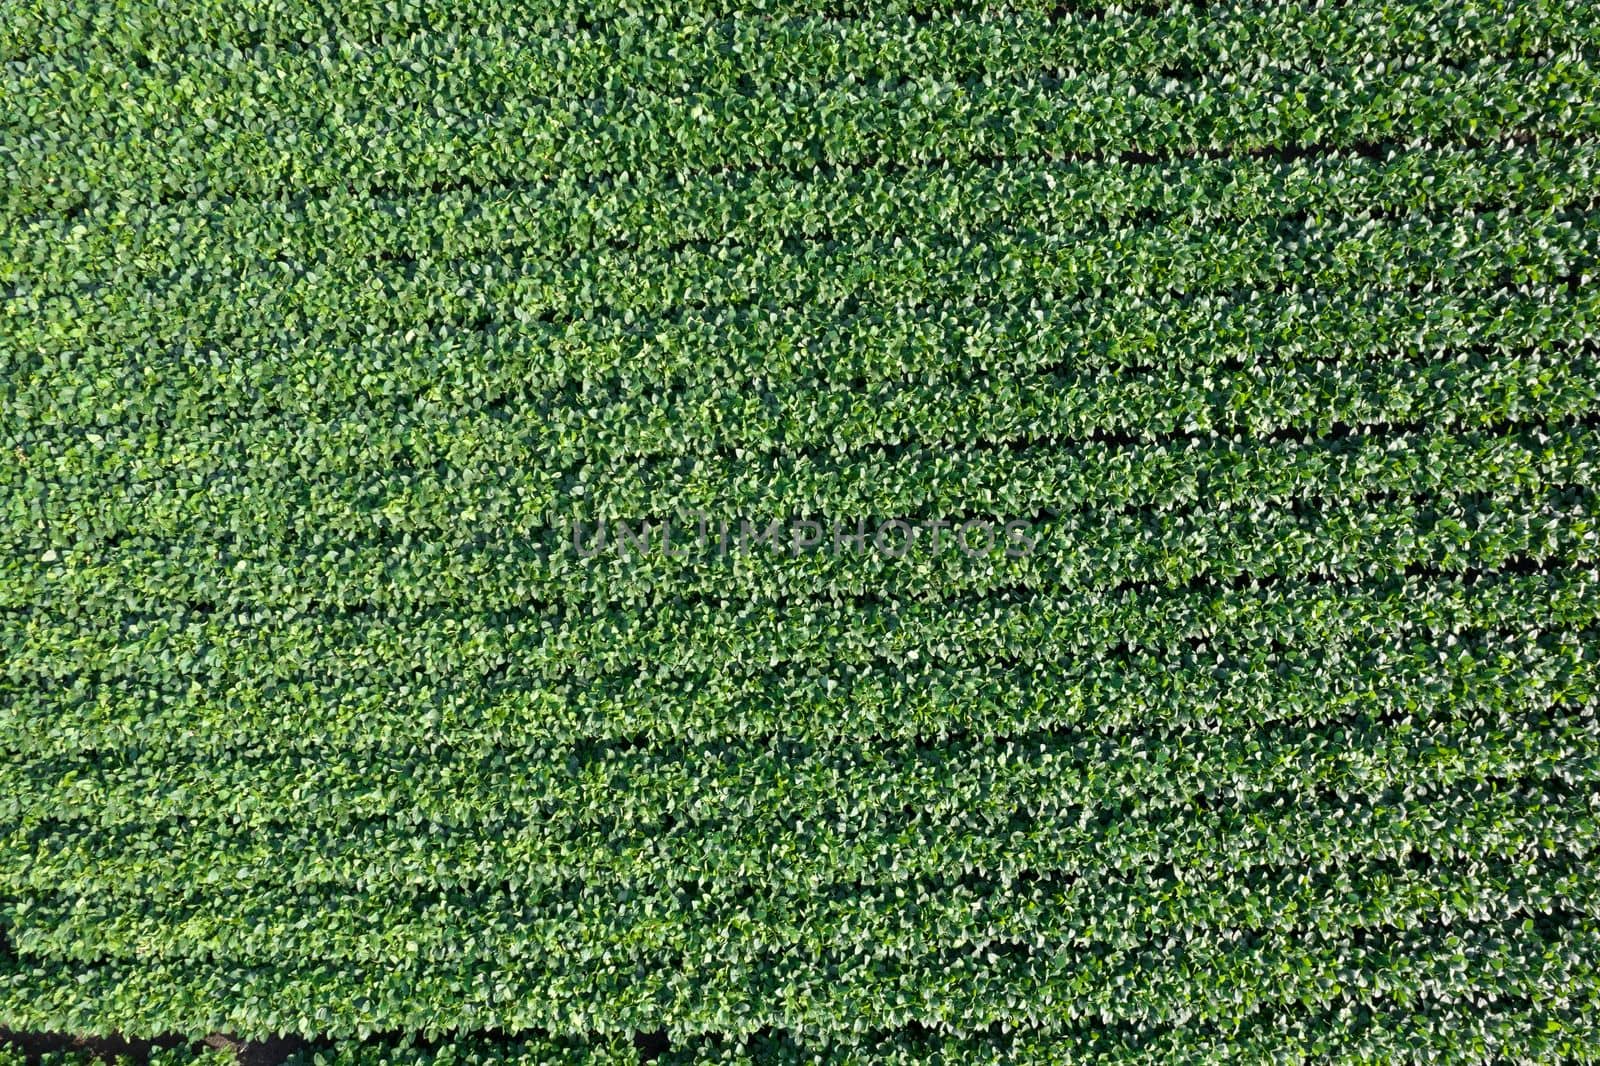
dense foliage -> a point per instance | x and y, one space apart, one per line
1275 323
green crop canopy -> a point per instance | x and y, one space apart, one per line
711 532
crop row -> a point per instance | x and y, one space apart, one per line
150 32
1340 1036
921 120
686 510
697 433
854 701
16 1054
674 641
1346 535
442 369
1159 983
1397 337
699 930
567 800
106 711
130 240
1379 1030
755 56
342 303
1442 805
